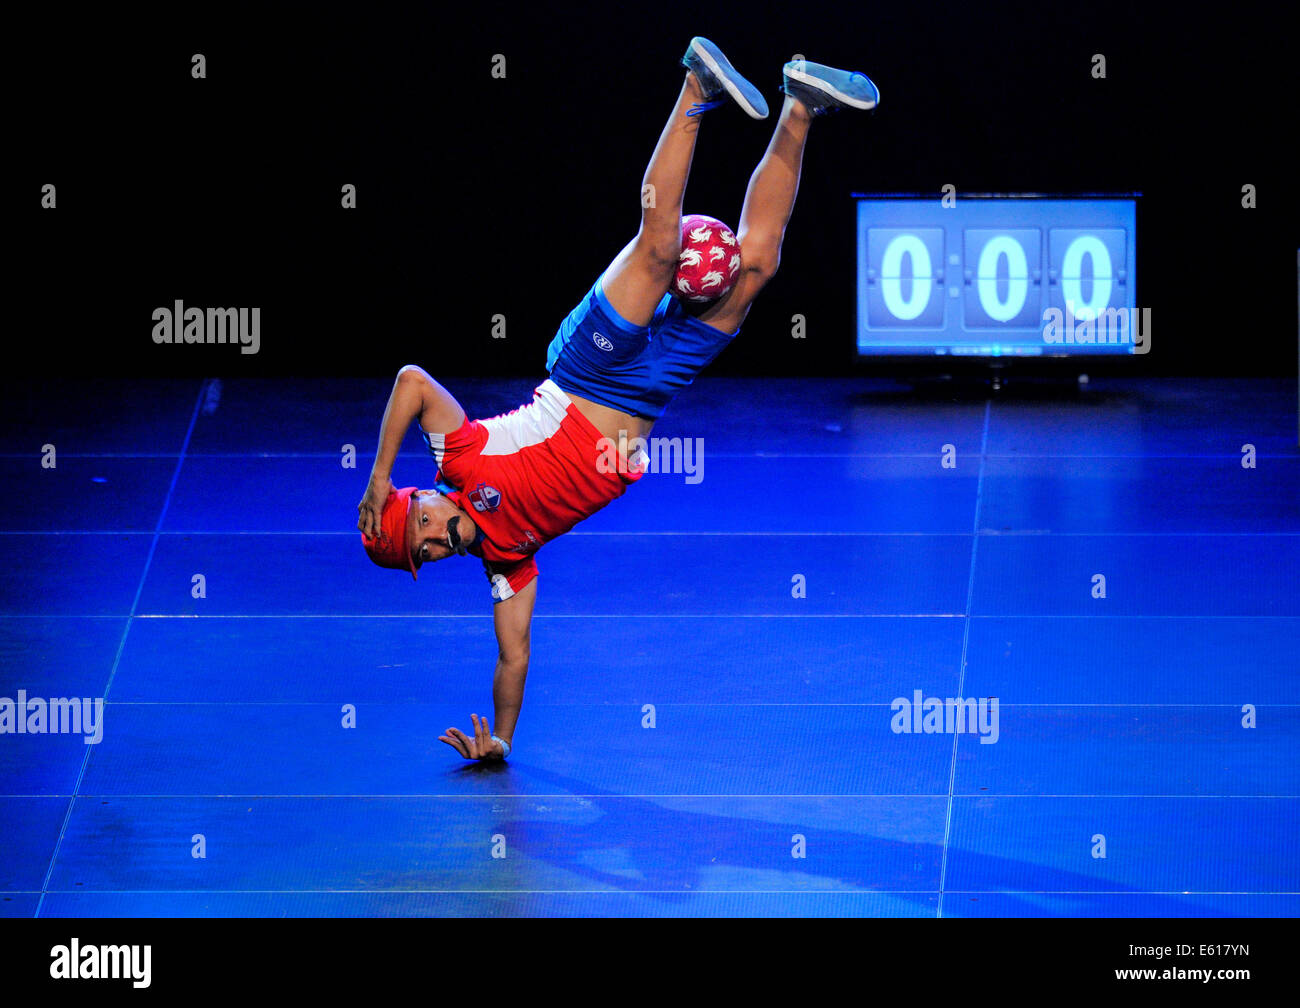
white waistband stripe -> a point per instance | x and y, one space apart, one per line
529 425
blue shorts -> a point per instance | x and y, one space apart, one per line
599 355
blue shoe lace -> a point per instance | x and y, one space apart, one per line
704 106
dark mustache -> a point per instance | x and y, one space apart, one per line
453 534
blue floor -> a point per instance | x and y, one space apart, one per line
1120 721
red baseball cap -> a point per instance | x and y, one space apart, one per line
391 548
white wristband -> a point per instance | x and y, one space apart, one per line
505 746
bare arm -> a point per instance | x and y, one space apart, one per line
415 396
513 619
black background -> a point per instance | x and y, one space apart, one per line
479 196
334 959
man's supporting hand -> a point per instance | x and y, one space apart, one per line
480 747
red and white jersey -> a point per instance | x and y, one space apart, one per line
526 477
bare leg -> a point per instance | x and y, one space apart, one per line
639 276
769 201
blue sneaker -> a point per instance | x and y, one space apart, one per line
719 78
823 89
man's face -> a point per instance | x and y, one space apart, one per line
427 526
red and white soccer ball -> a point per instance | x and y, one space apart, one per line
710 259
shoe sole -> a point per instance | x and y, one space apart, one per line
828 88
715 68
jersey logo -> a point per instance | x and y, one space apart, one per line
603 343
528 544
485 498
501 589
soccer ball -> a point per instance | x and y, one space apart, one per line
710 259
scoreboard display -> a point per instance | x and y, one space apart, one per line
997 275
